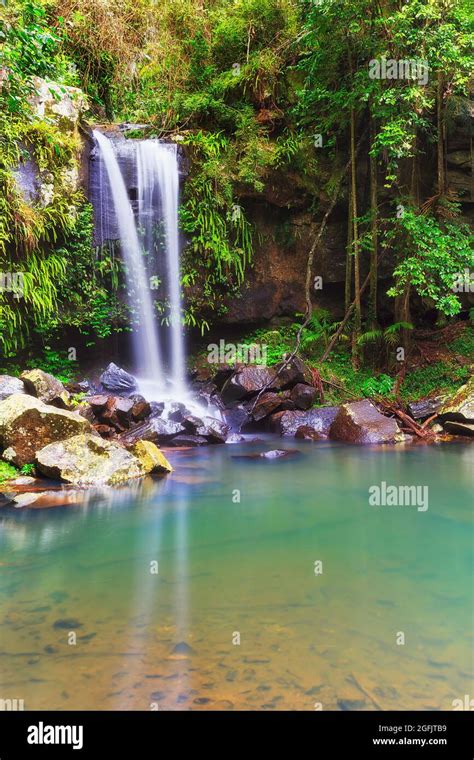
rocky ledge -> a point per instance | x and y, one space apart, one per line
107 433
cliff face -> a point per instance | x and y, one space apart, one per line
285 229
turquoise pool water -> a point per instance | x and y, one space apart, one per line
201 591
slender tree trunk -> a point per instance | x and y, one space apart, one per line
348 283
441 137
374 231
355 228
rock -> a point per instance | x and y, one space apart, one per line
214 430
237 417
307 433
319 419
98 403
191 423
279 453
296 372
156 408
266 404
152 459
187 439
460 408
425 407
183 648
141 409
118 381
303 396
361 422
89 460
222 374
10 385
23 480
46 388
154 429
234 438
123 410
248 381
177 411
27 425
105 431
459 428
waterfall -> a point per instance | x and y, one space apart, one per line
153 227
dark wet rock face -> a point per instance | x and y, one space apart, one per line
249 381
303 396
296 371
319 419
361 422
118 381
10 385
465 429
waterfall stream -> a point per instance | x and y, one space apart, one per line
149 241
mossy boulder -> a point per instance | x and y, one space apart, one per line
150 456
47 388
89 460
27 425
460 408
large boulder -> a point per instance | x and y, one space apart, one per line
10 385
303 396
89 460
27 425
248 381
45 387
361 422
267 404
118 381
319 419
293 372
459 428
460 408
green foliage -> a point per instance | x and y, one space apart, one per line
377 386
7 472
55 362
433 256
440 377
27 469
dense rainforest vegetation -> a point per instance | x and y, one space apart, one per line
259 93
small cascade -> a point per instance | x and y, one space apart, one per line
147 226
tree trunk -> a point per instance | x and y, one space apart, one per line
348 283
441 137
374 231
355 228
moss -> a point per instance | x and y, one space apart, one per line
7 472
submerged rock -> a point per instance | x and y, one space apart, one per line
27 425
10 385
319 419
117 380
46 388
361 422
89 460
460 408
307 433
188 439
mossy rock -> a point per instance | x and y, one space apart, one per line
27 425
89 460
460 408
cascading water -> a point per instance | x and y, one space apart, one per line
157 180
